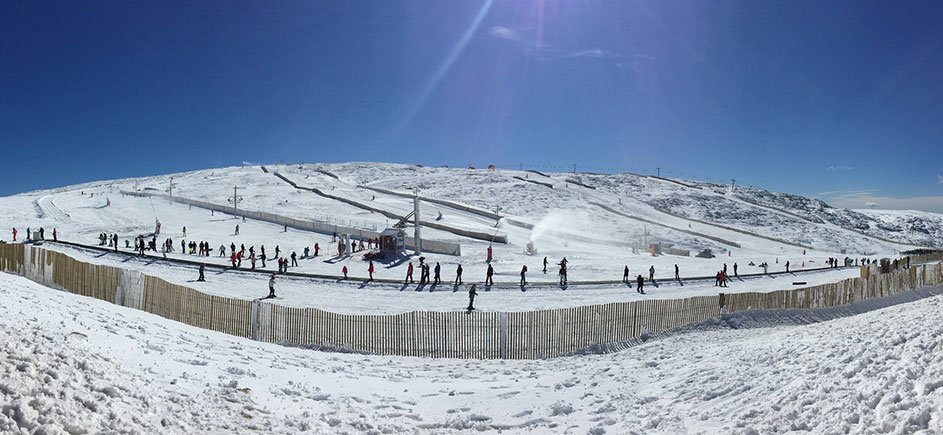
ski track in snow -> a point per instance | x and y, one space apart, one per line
71 363
49 209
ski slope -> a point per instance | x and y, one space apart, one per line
559 221
80 365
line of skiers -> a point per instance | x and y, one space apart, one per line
40 234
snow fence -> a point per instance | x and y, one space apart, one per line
480 335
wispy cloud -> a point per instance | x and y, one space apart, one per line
939 178
872 204
834 168
504 33
599 53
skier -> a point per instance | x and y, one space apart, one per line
488 278
237 229
545 265
425 273
409 274
787 266
651 273
523 275
735 270
232 258
222 250
14 234
115 238
725 269
29 234
678 275
263 258
625 274
458 275
271 286
306 252
438 277
316 249
471 297
55 235
562 265
370 270
334 237
277 251
252 260
641 283
344 270
294 259
489 253
42 235
202 267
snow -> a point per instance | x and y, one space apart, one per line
79 213
78 365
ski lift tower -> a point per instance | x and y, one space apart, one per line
236 199
417 239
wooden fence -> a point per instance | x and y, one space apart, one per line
479 335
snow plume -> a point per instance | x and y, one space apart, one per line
565 221
872 204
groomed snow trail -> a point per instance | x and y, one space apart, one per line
71 364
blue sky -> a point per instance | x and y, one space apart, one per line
841 100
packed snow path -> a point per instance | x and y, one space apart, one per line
356 297
76 364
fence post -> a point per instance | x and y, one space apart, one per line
254 319
503 329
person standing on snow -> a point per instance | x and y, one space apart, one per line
222 250
316 249
344 270
489 254
271 286
55 235
678 275
787 266
237 229
651 273
523 275
471 297
735 270
488 277
370 270
438 277
294 259
458 275
625 274
14 234
202 268
409 274
545 265
641 283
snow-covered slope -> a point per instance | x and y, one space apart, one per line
70 364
